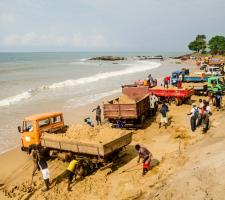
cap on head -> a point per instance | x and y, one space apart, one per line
193 105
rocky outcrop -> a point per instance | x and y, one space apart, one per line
108 58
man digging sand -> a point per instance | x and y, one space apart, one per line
146 156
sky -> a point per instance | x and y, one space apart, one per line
107 25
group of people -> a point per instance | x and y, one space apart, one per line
216 99
200 115
73 169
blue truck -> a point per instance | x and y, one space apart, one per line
187 78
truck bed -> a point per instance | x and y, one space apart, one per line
172 91
126 111
98 149
196 86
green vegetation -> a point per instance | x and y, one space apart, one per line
199 44
216 45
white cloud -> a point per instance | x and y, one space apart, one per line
7 18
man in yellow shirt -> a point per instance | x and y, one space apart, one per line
71 169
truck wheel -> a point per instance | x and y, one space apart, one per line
177 101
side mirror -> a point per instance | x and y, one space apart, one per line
19 129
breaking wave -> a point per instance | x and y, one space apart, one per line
139 66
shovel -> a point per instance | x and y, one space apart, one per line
30 188
130 169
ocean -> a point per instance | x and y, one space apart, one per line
39 82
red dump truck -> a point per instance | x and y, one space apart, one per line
173 94
131 113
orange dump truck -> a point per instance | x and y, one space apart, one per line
40 130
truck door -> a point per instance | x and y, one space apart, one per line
28 136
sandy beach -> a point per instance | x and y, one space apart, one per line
191 165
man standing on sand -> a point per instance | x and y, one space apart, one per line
146 156
98 115
164 119
218 100
194 115
40 162
153 104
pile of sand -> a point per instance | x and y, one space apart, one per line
180 133
20 191
124 99
85 133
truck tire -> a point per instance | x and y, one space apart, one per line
176 101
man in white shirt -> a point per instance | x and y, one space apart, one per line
153 104
194 115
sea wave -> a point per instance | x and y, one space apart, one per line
139 66
84 59
14 99
22 96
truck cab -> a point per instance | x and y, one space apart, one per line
33 127
215 84
177 74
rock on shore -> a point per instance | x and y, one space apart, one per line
108 58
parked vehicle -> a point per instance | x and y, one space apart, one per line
39 129
131 113
213 85
214 70
215 62
173 94
189 78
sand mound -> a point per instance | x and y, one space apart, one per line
180 133
19 191
124 99
85 133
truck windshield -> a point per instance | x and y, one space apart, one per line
28 126
174 75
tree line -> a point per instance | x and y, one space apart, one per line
216 45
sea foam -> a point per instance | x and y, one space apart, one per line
139 66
